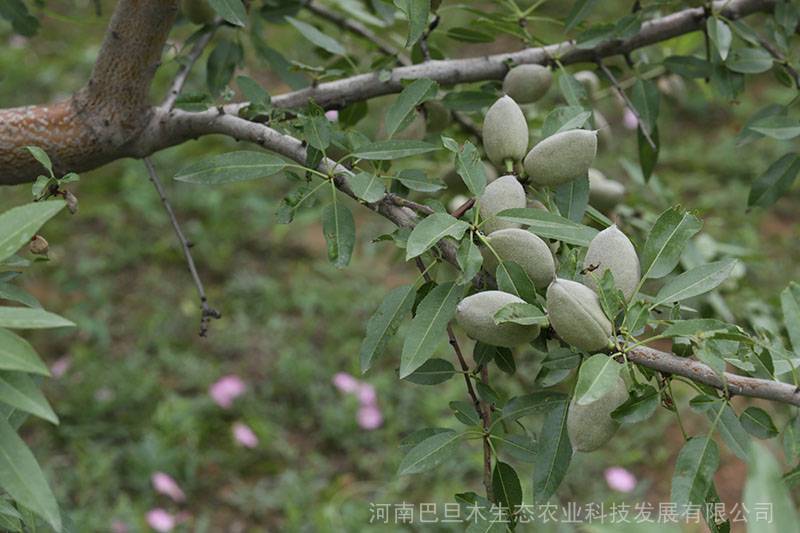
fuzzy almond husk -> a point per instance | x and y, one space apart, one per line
505 132
590 426
475 314
505 192
561 158
575 313
524 248
612 250
527 83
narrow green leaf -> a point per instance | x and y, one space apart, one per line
524 314
17 354
790 305
697 462
340 233
528 404
431 230
42 157
778 127
553 454
565 118
596 377
771 185
30 318
230 10
384 323
316 37
666 241
469 259
749 60
720 34
432 372
19 391
574 93
694 282
417 180
15 293
429 453
640 405
367 186
19 224
22 478
231 167
407 101
758 423
417 12
317 130
580 10
648 156
729 426
506 486
471 169
765 486
393 149
572 198
646 98
221 64
550 226
428 327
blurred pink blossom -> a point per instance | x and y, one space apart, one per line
60 366
332 115
226 389
164 484
160 520
366 394
620 479
629 120
345 382
244 435
369 417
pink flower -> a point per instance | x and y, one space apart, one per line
60 366
369 417
629 120
345 382
244 435
164 484
160 520
332 115
366 394
620 479
226 389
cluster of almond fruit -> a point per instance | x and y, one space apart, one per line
573 307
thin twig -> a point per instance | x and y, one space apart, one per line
208 312
480 408
423 41
780 58
627 101
463 208
186 67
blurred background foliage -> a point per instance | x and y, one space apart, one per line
134 397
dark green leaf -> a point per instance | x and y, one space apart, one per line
572 198
367 186
571 88
230 10
758 423
550 226
30 318
778 127
339 230
521 313
666 241
19 391
506 486
417 180
648 156
596 377
221 65
432 372
694 471
417 12
470 167
316 37
720 34
565 118
553 455
431 230
694 282
384 323
16 12
731 429
580 10
17 354
771 185
19 224
428 327
749 60
645 98
790 305
513 279
407 101
469 259
640 406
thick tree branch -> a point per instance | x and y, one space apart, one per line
96 125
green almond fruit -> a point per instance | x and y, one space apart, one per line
475 314
505 132
524 248
604 194
527 83
590 426
561 158
612 250
575 313
505 192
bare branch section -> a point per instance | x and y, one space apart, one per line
207 311
94 126
736 385
188 62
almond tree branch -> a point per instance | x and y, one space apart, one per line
109 119
628 103
208 312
